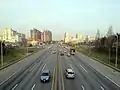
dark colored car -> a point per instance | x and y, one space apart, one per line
61 53
45 76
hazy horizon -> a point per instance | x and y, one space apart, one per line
59 16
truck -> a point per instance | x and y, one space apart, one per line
72 51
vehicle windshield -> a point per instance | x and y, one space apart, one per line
45 74
70 72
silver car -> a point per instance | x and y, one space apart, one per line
45 76
69 73
68 54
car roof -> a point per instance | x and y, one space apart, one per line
46 71
70 70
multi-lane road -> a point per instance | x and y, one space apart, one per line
87 78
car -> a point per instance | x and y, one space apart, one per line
45 76
65 51
69 73
68 54
61 53
54 52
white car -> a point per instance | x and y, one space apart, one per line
65 51
69 73
68 54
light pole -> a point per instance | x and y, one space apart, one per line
27 43
116 52
1 52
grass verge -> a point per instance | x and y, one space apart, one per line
101 57
15 54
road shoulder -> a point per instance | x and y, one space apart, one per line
103 69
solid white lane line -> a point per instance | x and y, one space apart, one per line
33 87
82 87
83 68
14 87
110 79
102 88
43 67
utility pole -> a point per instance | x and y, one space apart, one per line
27 42
2 52
116 52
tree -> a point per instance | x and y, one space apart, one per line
97 39
97 35
102 42
109 41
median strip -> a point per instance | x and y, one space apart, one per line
57 80
62 80
53 80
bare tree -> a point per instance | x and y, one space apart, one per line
110 41
97 39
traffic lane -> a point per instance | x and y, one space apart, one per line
98 77
105 70
82 80
69 84
23 76
87 82
49 64
27 83
8 72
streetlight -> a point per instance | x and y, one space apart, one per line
116 52
1 52
27 42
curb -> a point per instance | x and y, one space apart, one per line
17 60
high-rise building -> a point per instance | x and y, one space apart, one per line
42 36
35 35
66 37
46 36
79 37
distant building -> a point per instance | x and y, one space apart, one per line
10 35
91 38
46 36
79 37
35 35
66 37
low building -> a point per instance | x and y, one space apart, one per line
10 35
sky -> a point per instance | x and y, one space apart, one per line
59 16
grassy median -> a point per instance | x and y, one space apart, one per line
102 56
15 54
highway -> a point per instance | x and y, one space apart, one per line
87 78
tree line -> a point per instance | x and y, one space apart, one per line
107 44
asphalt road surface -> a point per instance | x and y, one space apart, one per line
87 78
29 77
